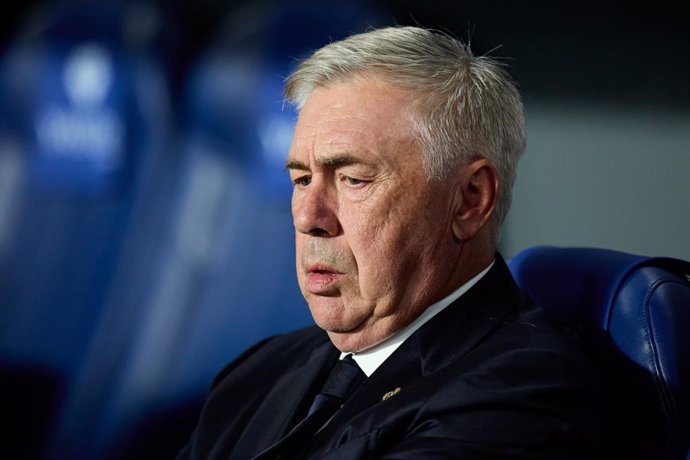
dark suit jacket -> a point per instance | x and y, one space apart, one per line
488 377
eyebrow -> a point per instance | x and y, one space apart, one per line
334 161
294 164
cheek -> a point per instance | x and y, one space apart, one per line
387 237
376 245
366 221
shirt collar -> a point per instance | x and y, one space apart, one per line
369 360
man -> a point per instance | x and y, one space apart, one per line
403 160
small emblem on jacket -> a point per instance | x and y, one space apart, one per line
390 393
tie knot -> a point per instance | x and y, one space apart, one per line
344 379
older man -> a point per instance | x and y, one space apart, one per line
402 161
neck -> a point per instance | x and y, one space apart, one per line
468 263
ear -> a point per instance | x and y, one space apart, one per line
475 200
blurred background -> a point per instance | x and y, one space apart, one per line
145 230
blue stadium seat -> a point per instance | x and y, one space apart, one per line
633 317
84 117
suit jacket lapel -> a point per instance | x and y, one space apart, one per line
469 319
286 403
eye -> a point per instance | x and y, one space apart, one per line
302 181
352 181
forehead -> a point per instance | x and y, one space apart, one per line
358 113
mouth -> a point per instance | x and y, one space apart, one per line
320 268
322 279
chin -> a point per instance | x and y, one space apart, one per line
343 342
351 341
332 325
331 315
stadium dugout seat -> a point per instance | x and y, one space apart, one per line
84 119
632 315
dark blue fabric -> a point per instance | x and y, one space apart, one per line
633 317
343 380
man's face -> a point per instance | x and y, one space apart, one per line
372 233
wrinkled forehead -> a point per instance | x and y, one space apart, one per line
360 122
355 109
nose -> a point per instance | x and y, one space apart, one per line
314 212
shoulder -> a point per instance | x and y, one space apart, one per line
525 383
529 337
527 346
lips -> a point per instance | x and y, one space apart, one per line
322 279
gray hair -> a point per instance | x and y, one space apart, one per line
463 107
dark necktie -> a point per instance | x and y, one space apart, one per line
343 380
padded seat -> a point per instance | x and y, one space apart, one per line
633 318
